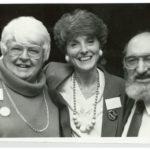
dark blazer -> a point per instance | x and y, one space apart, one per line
114 87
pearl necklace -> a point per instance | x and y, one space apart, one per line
77 123
23 118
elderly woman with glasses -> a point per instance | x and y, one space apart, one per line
26 110
93 97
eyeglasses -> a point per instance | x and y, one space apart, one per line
131 62
34 52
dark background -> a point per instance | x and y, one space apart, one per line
123 21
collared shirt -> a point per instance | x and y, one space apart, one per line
144 130
84 106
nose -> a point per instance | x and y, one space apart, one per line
141 68
84 48
24 55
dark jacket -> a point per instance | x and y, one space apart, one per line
114 87
129 105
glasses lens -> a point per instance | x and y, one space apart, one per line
147 60
34 52
16 51
130 62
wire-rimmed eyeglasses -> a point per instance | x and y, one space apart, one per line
33 51
131 62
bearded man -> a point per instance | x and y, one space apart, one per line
137 69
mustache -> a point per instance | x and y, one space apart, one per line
142 76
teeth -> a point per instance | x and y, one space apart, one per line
23 66
85 58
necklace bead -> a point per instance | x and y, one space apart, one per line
93 121
83 129
91 124
78 125
88 128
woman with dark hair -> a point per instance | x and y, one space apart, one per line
93 97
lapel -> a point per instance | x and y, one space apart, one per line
111 90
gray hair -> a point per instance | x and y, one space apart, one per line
26 29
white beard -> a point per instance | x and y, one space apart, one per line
138 91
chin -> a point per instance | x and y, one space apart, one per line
86 67
25 78
23 75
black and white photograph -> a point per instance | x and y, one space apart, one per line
75 72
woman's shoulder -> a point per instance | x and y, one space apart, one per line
112 78
115 82
54 66
57 66
117 79
57 72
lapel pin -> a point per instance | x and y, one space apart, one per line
112 115
4 111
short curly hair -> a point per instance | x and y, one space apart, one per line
79 22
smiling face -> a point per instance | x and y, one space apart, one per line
83 52
138 70
138 52
24 60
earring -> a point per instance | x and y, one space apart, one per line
67 58
100 52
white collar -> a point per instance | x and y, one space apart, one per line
147 106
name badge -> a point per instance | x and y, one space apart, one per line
113 103
1 94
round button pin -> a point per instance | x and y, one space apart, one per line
4 111
112 115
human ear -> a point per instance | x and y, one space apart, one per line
3 48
